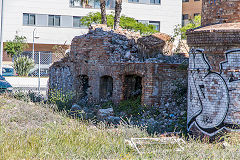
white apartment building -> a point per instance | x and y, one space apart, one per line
58 21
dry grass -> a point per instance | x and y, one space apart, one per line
30 131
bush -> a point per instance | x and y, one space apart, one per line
132 106
29 96
63 100
23 65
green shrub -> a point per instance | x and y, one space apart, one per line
29 96
132 106
23 65
63 100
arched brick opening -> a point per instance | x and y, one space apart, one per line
83 86
132 86
106 88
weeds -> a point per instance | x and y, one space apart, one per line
27 96
132 107
39 132
63 100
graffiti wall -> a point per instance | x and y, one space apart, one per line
214 97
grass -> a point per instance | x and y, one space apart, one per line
34 131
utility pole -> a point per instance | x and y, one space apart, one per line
39 71
1 38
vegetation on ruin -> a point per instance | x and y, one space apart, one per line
63 100
37 131
180 33
125 23
181 30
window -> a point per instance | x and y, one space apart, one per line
29 19
53 20
155 1
133 1
184 16
110 4
156 24
196 14
196 0
185 0
77 21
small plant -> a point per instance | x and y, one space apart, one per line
23 65
63 100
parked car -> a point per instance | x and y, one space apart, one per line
4 85
8 71
44 71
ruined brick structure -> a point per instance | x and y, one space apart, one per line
214 70
220 11
110 65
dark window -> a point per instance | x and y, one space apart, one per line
83 85
50 20
156 24
77 21
196 14
155 1
110 4
54 20
29 19
184 16
132 86
57 21
185 0
106 87
133 1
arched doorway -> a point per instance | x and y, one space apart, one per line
83 86
132 86
106 88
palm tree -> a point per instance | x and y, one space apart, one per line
103 11
118 9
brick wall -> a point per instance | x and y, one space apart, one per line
98 54
223 11
213 76
192 7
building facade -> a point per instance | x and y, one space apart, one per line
57 22
190 9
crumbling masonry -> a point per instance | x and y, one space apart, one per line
116 65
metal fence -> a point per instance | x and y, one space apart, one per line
43 60
38 76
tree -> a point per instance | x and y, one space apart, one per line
16 46
193 23
125 23
180 32
103 11
118 9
